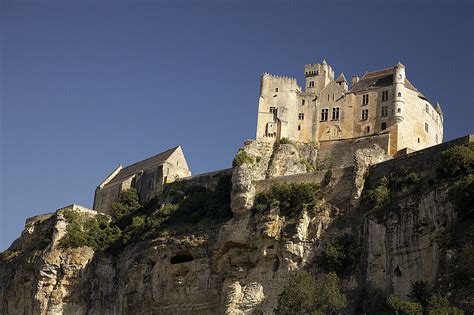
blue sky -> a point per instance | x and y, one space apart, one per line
86 85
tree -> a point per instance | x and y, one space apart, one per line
129 201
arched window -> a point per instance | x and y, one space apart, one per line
399 94
399 110
384 126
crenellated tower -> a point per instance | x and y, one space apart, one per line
317 76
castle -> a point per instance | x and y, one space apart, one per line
383 101
382 107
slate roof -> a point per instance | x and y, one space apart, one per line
341 78
378 79
142 165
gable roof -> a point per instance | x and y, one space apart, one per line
378 79
142 165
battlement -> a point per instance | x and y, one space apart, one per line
278 77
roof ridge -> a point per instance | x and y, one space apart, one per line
151 157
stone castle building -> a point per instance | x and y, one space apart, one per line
147 177
383 101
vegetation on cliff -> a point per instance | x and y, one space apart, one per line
381 198
241 158
188 209
305 294
291 199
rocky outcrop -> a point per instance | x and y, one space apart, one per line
242 265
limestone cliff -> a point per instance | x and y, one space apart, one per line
239 261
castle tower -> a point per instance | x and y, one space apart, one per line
399 92
317 76
439 111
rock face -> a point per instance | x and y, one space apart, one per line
241 266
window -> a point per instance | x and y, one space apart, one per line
365 99
418 140
273 110
399 110
324 114
276 90
427 108
426 127
302 102
365 114
399 94
311 83
437 139
384 111
367 129
335 113
328 97
333 97
384 126
384 96
301 116
299 127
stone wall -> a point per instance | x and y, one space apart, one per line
341 153
420 161
208 180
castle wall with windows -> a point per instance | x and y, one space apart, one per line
382 101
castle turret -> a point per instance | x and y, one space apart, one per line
317 76
399 91
342 82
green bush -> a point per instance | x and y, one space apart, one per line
290 198
96 232
305 295
190 209
285 140
8 255
457 161
439 305
129 202
404 307
241 158
339 255
309 166
381 197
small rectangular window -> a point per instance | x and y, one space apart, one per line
335 113
311 83
384 96
272 109
426 127
324 114
302 102
365 114
384 112
427 108
365 99
301 116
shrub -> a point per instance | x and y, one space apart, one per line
241 158
129 202
381 197
404 307
96 232
457 161
285 140
338 255
305 295
8 255
309 166
290 198
420 293
439 305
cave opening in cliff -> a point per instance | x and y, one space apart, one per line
181 258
